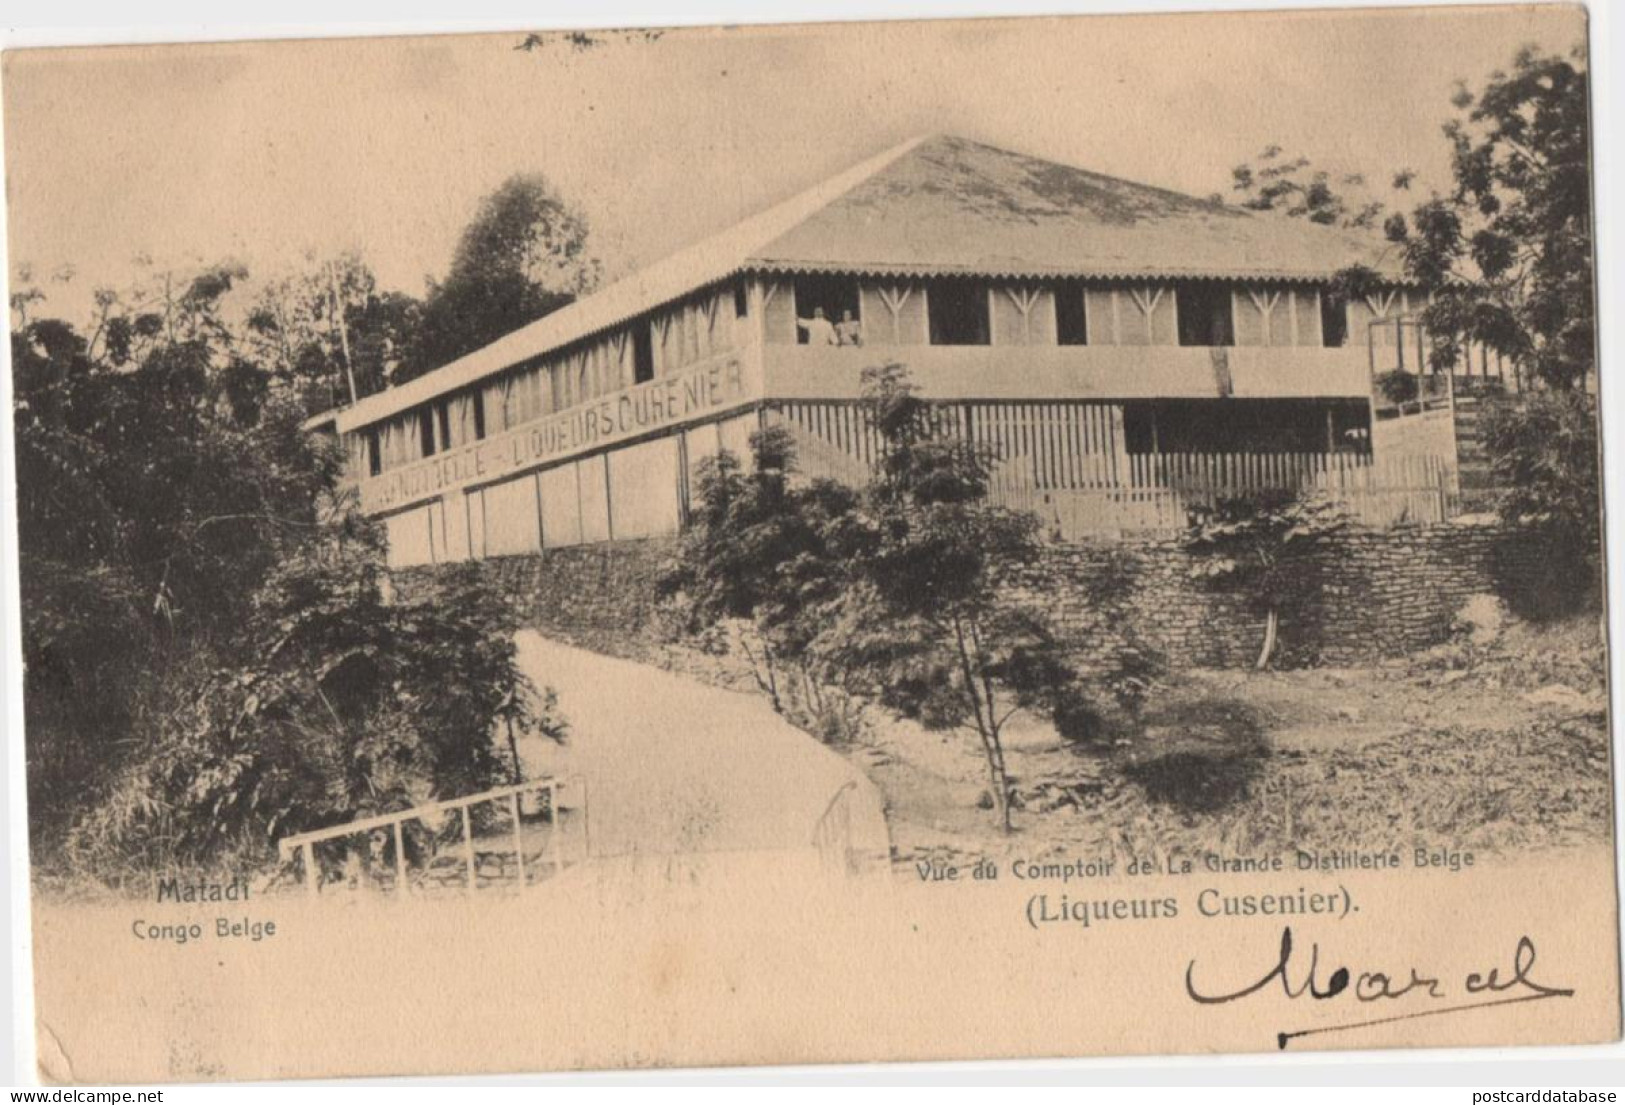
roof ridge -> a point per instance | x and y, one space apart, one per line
670 277
974 207
1138 185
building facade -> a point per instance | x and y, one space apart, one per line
1074 322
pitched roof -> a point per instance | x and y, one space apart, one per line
935 206
952 205
706 262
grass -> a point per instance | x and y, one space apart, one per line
1483 789
1449 748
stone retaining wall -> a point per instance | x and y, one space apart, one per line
1373 595
588 589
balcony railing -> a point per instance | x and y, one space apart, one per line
1029 372
993 373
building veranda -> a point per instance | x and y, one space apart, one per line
1123 350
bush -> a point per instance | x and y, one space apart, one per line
334 704
1200 756
1265 546
1398 386
1544 453
1079 720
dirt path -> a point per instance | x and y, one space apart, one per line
674 766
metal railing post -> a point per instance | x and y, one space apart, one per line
518 842
586 822
304 844
553 828
400 860
468 847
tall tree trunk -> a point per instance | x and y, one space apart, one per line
513 750
995 739
986 728
1002 781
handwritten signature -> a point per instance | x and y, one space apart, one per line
1298 979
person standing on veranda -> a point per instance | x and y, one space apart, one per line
820 331
849 331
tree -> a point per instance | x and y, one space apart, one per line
208 657
339 705
921 618
165 308
523 256
1506 259
152 493
327 327
1263 545
1543 451
1506 255
1274 181
893 591
758 547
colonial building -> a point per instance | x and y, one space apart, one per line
1077 323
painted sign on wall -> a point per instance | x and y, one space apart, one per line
704 389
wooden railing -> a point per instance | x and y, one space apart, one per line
1432 392
832 835
1069 463
375 850
1163 489
1402 345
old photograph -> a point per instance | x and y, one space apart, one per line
894 541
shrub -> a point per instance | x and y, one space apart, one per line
1544 453
1398 386
1078 719
1264 545
333 705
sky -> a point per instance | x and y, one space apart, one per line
259 152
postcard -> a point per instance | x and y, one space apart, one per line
575 550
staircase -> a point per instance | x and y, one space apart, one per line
1475 478
1444 417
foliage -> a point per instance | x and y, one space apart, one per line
1507 254
168 494
1131 676
323 327
1208 755
1543 451
758 548
1507 259
523 255
326 329
1262 545
891 592
336 705
208 657
1398 386
921 619
1275 181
